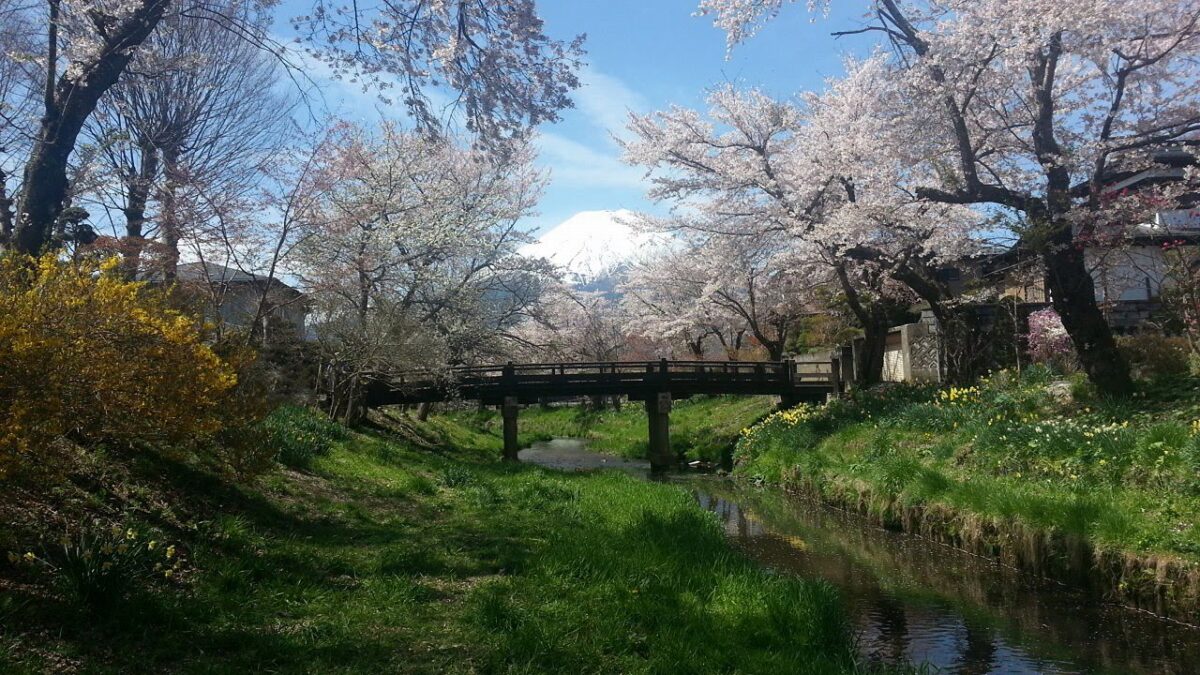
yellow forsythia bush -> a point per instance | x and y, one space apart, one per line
88 356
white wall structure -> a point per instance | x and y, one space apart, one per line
1137 272
911 354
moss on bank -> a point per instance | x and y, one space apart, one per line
1101 493
419 553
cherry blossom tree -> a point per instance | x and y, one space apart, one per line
574 325
409 244
663 296
506 75
18 98
767 283
762 169
1032 108
87 45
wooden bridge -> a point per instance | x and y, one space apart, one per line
657 383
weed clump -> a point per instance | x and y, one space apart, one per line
97 567
297 436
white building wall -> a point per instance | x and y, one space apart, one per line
1134 273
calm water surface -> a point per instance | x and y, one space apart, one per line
912 600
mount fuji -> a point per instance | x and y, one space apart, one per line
593 247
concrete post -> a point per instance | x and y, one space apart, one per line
509 411
835 376
658 412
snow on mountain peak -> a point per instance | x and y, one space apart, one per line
591 244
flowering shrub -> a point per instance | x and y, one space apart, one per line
87 356
1048 339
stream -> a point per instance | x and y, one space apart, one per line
912 600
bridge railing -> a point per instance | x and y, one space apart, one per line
797 372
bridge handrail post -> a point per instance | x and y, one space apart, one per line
835 374
508 378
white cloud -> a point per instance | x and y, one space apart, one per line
607 101
574 164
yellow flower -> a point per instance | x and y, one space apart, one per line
130 534
170 551
29 556
151 545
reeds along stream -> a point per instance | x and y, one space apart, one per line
915 600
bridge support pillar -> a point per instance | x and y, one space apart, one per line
788 401
509 410
658 411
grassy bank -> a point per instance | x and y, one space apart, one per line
1016 468
412 553
704 427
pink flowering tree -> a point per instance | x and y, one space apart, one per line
810 172
1049 341
1032 109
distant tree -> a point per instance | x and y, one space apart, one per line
191 128
574 325
505 74
663 296
409 244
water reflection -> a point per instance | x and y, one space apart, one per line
916 601
913 600
571 454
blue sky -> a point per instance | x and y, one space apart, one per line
646 55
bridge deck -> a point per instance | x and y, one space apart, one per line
639 380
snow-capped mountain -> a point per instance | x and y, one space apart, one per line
592 246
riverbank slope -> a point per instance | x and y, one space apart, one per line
1099 494
404 550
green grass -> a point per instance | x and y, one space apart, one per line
1121 475
427 555
704 427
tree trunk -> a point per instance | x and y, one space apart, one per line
423 411
69 102
138 189
774 350
169 221
1074 297
6 213
869 368
873 319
